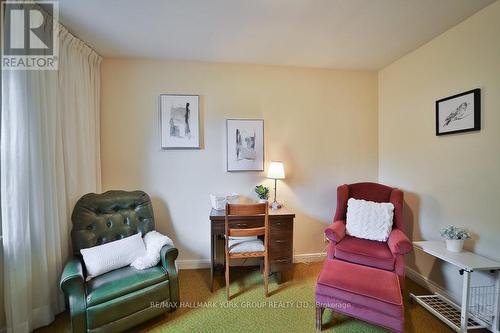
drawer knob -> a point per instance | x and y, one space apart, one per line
281 260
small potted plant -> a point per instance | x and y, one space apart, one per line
454 237
262 192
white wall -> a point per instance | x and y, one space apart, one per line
321 123
452 179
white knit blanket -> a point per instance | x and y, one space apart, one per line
154 241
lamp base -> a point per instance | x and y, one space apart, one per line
276 205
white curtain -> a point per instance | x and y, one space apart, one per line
49 158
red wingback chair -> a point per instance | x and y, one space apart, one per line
388 255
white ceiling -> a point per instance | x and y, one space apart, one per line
360 34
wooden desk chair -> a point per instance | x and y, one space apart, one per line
237 248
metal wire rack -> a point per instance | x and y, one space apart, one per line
482 302
445 310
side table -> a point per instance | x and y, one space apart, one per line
480 304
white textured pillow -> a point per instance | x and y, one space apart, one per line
369 220
107 257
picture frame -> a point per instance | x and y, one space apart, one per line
244 145
180 121
459 113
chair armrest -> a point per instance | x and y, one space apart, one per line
73 272
168 254
73 285
398 242
336 231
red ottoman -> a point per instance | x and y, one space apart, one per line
366 293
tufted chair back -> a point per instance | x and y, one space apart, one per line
106 217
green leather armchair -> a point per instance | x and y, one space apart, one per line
125 297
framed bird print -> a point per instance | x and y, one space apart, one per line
459 113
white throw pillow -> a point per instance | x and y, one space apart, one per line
369 220
107 257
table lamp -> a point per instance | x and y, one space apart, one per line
276 171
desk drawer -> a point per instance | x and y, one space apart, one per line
281 244
285 251
245 224
281 225
280 264
281 247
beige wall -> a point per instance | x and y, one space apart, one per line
321 123
453 179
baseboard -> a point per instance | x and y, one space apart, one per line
205 263
309 257
193 264
427 283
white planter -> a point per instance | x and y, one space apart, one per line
262 200
454 245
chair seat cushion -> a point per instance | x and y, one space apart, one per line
128 310
122 281
245 244
365 252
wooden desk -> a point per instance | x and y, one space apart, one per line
280 237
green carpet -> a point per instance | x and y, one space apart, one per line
290 307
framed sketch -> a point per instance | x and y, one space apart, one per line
459 113
245 144
180 121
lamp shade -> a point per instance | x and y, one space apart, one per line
276 170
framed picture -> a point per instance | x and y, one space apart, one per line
180 121
459 113
245 144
